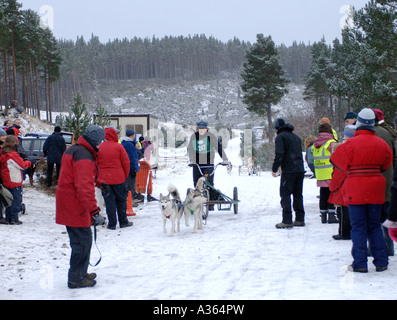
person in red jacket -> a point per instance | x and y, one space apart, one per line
12 166
114 167
363 158
76 205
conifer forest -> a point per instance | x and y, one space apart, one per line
42 73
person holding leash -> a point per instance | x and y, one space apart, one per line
76 205
201 149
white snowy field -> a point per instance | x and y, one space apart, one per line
235 257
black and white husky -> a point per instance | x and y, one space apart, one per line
171 209
193 205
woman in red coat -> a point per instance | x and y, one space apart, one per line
362 158
114 167
76 205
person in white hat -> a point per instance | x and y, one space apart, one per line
363 158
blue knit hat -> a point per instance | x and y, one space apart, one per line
129 132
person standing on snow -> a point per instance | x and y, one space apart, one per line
363 158
12 166
336 193
322 150
129 144
289 157
53 149
76 205
114 167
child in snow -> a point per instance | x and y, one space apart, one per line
12 166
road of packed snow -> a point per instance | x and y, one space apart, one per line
238 257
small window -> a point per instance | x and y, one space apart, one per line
138 128
37 145
26 144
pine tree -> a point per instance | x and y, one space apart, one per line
320 70
102 117
375 36
78 119
263 79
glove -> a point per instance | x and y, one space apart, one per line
105 188
225 162
393 234
98 220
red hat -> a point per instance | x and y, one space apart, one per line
378 115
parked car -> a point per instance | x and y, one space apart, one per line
31 145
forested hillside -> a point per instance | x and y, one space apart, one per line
89 64
43 73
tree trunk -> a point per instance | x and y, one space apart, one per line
270 122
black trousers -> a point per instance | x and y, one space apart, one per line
116 204
197 175
292 184
50 170
80 243
323 203
344 221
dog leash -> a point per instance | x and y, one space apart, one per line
96 245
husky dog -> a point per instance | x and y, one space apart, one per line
171 208
193 205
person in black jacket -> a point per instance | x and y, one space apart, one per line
53 148
202 148
289 158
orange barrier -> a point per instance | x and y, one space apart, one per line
130 209
142 178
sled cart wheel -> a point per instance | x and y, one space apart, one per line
206 206
235 200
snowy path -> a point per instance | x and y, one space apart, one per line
234 257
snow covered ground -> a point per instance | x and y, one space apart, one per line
235 257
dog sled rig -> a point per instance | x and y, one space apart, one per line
223 202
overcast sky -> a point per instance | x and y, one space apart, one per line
285 21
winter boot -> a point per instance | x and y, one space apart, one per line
332 217
83 284
283 225
126 225
359 270
91 276
323 214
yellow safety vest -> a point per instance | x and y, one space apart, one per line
322 163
